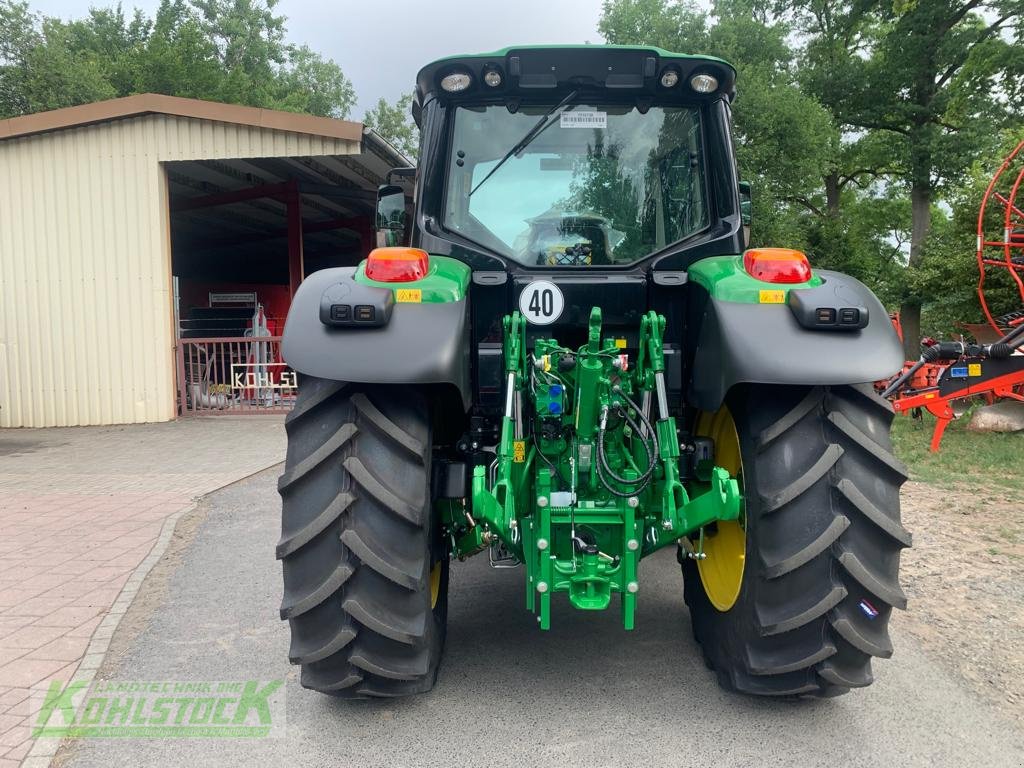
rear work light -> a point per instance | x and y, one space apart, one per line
397 265
777 265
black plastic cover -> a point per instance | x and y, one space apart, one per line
833 306
348 304
764 344
421 344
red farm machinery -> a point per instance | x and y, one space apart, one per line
992 367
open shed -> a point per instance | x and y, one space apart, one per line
129 226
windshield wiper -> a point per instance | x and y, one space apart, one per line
538 128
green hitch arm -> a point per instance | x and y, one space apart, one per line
721 500
588 394
674 497
495 507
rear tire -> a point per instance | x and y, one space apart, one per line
365 570
823 541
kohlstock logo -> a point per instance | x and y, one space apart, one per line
118 709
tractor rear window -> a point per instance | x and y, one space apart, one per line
596 185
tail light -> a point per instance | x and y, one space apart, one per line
777 265
397 265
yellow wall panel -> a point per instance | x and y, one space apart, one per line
86 334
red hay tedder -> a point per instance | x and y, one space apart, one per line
993 367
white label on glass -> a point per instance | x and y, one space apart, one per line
584 120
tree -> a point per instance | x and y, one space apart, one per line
949 255
856 121
314 84
179 58
224 50
394 123
18 36
781 156
932 77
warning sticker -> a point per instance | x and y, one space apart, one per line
583 119
519 451
772 297
408 295
974 369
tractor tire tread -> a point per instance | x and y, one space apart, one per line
824 540
357 551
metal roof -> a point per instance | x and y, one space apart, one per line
155 103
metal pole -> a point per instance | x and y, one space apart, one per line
296 268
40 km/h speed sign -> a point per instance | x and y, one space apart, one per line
541 302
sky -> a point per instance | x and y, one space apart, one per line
381 44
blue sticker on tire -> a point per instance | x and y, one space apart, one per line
869 610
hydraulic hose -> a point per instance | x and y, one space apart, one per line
650 429
943 350
953 350
602 457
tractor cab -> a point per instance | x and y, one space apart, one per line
576 157
598 173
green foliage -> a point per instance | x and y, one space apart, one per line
313 84
394 123
784 138
223 50
848 109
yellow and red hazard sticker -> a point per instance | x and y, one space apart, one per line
408 295
519 451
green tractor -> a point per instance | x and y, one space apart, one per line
566 356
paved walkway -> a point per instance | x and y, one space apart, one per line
80 511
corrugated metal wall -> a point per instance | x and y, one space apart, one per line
86 329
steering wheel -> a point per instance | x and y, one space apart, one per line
573 256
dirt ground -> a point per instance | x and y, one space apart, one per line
964 579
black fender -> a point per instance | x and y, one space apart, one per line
424 343
739 343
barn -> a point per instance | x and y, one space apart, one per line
150 246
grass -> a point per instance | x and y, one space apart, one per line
982 460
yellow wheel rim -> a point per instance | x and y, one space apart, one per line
435 584
725 543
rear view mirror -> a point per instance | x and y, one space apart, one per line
745 203
745 211
391 214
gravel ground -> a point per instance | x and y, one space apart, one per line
964 578
584 693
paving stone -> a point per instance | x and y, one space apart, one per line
18 752
8 654
33 636
63 649
86 629
78 517
69 616
11 696
24 673
14 736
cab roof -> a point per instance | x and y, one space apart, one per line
534 69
